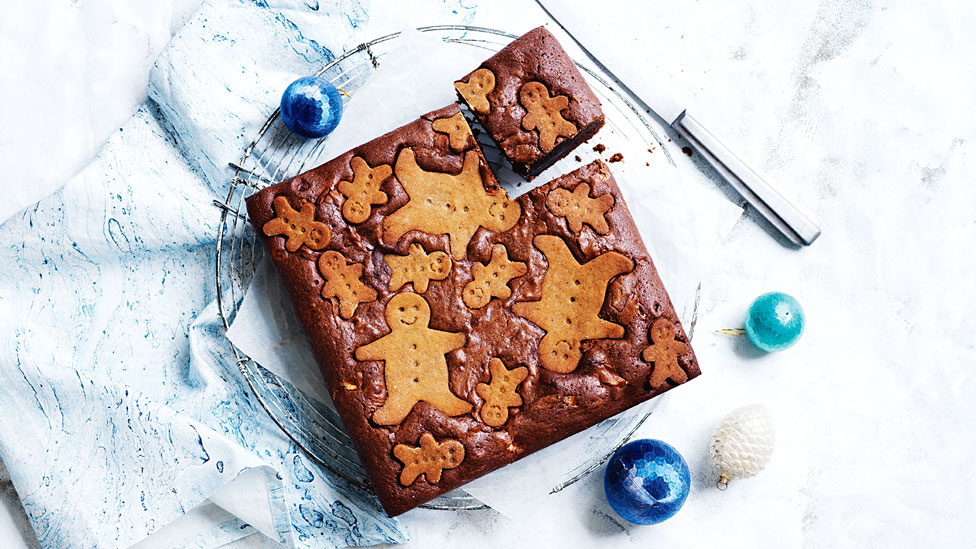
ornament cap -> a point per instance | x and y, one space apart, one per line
723 482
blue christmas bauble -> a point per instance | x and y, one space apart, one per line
775 321
311 107
647 481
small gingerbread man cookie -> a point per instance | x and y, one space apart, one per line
501 393
299 227
663 353
415 366
544 113
578 208
364 189
475 91
418 267
456 127
491 280
342 281
430 459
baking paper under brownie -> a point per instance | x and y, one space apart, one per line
459 330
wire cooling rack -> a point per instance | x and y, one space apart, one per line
276 154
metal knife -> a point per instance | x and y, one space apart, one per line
780 212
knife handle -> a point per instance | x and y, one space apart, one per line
794 224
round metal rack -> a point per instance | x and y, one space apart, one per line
276 154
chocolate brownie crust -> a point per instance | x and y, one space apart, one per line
611 375
536 57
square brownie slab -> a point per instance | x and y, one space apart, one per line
459 330
533 102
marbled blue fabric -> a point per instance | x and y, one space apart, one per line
122 405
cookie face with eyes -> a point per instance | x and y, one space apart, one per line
407 310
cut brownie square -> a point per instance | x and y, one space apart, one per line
460 330
533 102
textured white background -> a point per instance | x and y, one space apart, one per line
862 109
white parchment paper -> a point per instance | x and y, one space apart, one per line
682 224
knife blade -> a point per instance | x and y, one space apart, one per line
796 225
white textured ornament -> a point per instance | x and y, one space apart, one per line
743 443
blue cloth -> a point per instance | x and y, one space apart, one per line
122 404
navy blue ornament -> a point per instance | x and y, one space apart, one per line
647 481
311 107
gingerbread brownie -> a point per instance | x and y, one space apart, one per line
459 330
533 102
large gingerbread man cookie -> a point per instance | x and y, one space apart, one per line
578 208
544 114
418 267
443 203
344 281
572 296
415 365
430 459
663 353
299 227
364 189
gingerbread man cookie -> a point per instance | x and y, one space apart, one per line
501 393
364 189
443 203
299 227
663 353
415 366
578 208
418 267
491 280
342 281
475 91
572 296
430 459
456 127
544 113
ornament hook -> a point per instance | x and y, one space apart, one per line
723 482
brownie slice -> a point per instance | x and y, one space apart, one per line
533 102
459 330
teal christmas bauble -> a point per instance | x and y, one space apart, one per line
775 321
311 107
647 481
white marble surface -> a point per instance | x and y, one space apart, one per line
861 109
